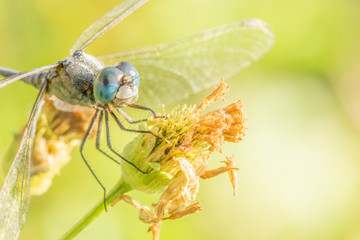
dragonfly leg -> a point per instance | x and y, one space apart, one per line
98 136
110 145
128 118
132 105
83 157
127 129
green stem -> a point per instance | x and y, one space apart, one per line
121 188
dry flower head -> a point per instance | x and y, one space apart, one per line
177 162
57 133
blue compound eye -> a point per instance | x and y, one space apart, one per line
107 83
129 70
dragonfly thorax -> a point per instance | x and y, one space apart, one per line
73 80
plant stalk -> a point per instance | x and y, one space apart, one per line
121 188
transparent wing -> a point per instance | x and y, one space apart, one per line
22 75
105 23
174 70
15 192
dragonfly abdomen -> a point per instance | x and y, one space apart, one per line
34 80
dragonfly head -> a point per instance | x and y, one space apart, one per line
117 85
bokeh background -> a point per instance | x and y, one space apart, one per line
300 161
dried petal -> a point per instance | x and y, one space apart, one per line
155 229
217 94
232 174
193 208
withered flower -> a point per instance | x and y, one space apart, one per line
177 162
59 129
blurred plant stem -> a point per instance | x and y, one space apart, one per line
121 188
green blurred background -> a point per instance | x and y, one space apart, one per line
300 161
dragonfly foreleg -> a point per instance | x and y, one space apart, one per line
132 105
128 118
98 137
127 129
110 145
88 131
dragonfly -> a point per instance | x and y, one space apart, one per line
169 72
